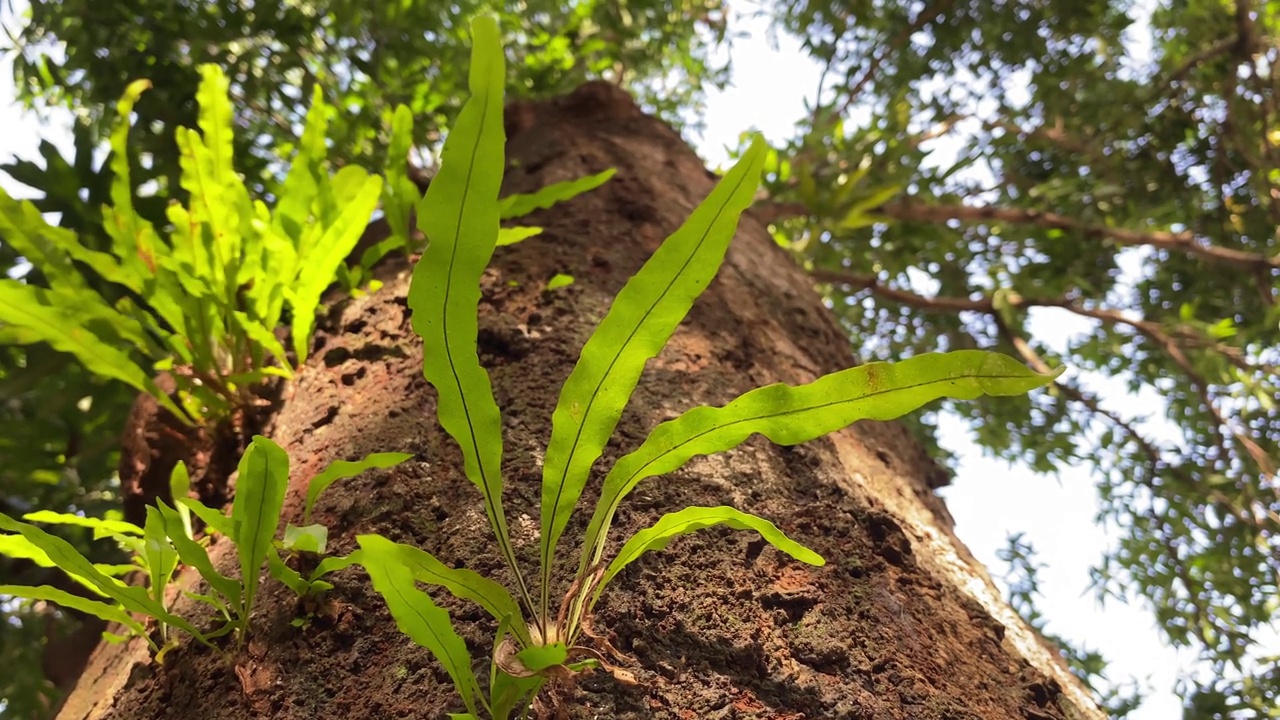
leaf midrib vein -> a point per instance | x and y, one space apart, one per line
595 392
626 486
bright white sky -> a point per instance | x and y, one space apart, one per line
989 499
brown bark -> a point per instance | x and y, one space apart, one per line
900 623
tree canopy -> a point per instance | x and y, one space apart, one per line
971 168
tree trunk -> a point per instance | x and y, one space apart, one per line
901 622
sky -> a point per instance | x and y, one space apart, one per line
989 499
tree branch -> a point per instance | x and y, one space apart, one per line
893 47
1220 47
1244 515
1152 331
906 211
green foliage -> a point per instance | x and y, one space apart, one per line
518 205
214 291
1117 164
1112 172
255 513
361 54
462 202
1022 579
167 539
790 415
312 538
460 216
118 599
690 519
638 325
558 281
417 615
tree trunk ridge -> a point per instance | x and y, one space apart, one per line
900 623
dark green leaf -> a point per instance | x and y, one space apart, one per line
643 316
343 469
514 206
416 615
789 415
255 513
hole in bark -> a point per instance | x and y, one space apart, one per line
350 378
1043 693
379 352
890 541
336 356
792 606
508 342
329 417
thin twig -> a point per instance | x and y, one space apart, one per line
892 48
1168 343
1184 241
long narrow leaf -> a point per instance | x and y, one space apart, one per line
194 555
417 615
255 512
514 206
263 337
319 266
20 548
27 234
513 235
133 238
215 120
221 195
400 193
301 184
287 576
21 306
213 519
101 526
179 486
637 326
465 584
459 216
66 557
343 469
790 415
332 564
105 611
160 556
51 248
673 525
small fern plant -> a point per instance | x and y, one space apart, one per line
201 295
167 539
537 643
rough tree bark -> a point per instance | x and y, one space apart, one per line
901 623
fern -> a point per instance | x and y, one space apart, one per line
214 289
462 212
